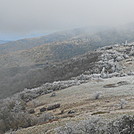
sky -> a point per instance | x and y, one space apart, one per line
32 17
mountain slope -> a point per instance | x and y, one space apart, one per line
106 36
15 79
63 49
25 44
28 43
45 63
104 89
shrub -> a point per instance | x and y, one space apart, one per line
122 103
13 115
45 117
123 125
89 126
97 95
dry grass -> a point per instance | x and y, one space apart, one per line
79 98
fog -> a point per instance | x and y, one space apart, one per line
27 16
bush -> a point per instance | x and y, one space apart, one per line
45 117
14 116
12 120
123 125
97 95
90 126
122 103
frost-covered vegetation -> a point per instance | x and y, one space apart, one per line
96 125
31 67
14 115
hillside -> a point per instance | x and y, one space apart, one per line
102 87
28 43
25 44
78 104
35 66
59 46
18 78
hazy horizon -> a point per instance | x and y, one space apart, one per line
24 18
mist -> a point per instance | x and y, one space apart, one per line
45 16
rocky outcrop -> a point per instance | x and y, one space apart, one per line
52 107
43 109
110 60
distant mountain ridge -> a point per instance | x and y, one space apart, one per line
102 37
28 43
3 41
59 46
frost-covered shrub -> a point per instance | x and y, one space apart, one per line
122 103
13 115
45 117
123 125
97 95
69 128
89 126
93 126
11 120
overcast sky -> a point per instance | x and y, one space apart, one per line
27 16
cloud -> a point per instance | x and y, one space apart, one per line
26 16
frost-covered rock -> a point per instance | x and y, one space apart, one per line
96 75
125 56
130 73
119 58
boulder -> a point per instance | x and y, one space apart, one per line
31 111
43 109
71 112
119 58
52 107
130 73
